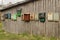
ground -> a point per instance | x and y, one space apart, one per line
9 36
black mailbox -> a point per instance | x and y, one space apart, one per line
42 17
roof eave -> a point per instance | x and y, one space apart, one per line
17 4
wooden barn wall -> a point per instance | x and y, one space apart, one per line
35 27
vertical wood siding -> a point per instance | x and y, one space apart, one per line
35 27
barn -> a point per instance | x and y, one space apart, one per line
40 17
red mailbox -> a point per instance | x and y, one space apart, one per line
27 17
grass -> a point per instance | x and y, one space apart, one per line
8 36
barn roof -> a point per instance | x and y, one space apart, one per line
16 4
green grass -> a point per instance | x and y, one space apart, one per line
8 36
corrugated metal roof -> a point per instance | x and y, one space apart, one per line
18 3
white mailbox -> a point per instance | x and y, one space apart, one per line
36 17
56 16
50 16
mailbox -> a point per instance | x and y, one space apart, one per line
6 16
32 16
36 17
27 17
2 17
14 17
56 16
42 17
9 16
19 13
50 16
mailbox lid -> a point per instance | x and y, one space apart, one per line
42 15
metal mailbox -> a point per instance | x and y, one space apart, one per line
32 16
14 17
19 13
36 17
6 16
56 16
27 17
42 17
50 16
9 16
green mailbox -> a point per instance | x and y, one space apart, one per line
14 17
19 13
42 17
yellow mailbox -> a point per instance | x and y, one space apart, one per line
50 16
36 17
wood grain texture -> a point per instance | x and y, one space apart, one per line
35 27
